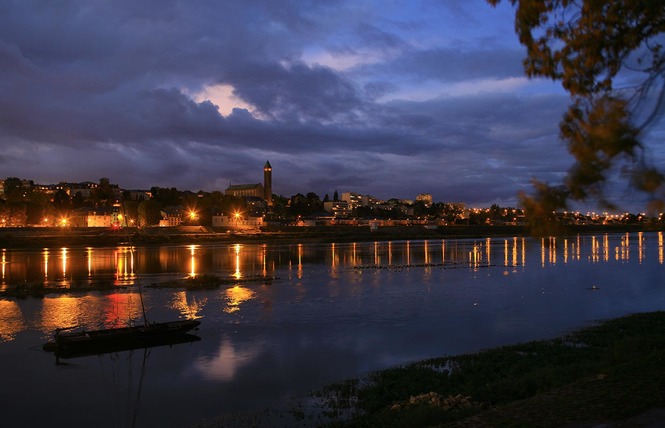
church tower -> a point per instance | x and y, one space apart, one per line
267 183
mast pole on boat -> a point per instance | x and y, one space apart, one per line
138 283
131 253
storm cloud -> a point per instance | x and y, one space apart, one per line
373 97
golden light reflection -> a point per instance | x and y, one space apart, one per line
622 252
354 262
236 296
45 253
192 261
4 264
237 274
577 248
264 260
64 263
188 309
11 320
552 250
606 248
390 253
523 251
475 256
408 252
61 312
515 252
299 261
595 249
89 260
548 251
124 265
242 261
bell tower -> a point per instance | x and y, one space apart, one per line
267 183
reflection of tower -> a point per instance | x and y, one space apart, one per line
267 183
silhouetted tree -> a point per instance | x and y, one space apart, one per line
130 213
164 196
61 201
13 189
149 213
586 45
78 200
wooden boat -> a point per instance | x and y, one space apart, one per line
70 344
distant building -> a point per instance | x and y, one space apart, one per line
171 216
355 200
257 190
338 208
267 183
86 188
95 217
242 190
237 222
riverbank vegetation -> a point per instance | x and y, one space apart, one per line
605 374
608 372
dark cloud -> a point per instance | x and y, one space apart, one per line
334 94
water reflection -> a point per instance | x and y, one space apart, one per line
336 310
4 263
188 307
235 296
70 267
192 269
99 311
227 361
124 265
11 320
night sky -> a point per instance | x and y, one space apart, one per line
385 98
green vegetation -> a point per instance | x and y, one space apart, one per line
607 372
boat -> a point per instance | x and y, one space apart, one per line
71 344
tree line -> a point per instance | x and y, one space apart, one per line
26 204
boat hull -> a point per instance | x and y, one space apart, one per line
80 343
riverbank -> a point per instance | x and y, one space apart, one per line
102 237
609 375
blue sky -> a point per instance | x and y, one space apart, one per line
385 98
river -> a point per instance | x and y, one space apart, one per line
296 317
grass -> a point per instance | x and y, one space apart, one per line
611 371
